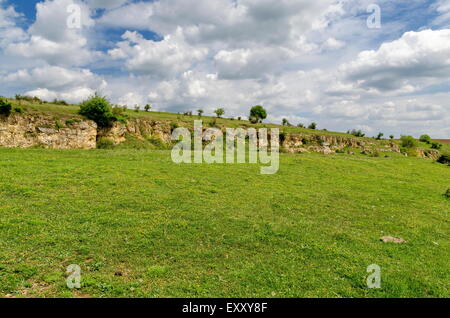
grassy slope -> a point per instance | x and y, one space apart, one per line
139 225
68 112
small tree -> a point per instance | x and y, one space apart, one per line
147 107
98 109
312 126
436 145
380 135
200 112
5 107
408 142
137 108
258 112
285 122
219 112
392 137
425 138
300 125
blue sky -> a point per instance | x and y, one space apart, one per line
304 60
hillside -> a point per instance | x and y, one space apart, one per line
61 127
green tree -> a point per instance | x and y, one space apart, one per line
219 112
380 135
312 126
425 138
200 112
147 107
98 109
258 112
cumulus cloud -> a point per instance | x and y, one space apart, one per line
9 32
52 82
160 59
400 64
52 39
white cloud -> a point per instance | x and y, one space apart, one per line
9 32
159 59
408 61
51 82
53 40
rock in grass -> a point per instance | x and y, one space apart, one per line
391 239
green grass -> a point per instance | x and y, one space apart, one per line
63 112
141 226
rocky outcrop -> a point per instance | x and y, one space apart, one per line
25 131
138 128
328 144
28 130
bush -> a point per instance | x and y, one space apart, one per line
356 133
105 143
253 120
408 142
98 109
447 194
444 159
436 145
18 110
312 126
173 126
5 107
258 112
425 138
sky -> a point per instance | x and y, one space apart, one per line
326 61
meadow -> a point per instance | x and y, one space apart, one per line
139 225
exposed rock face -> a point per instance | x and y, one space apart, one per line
24 131
328 144
138 128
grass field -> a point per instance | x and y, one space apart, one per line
140 226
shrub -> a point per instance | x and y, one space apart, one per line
173 126
200 112
137 108
253 120
5 107
282 137
258 112
408 142
380 135
60 102
18 110
300 125
147 107
436 145
356 133
105 143
312 126
444 159
98 109
285 122
425 138
447 194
